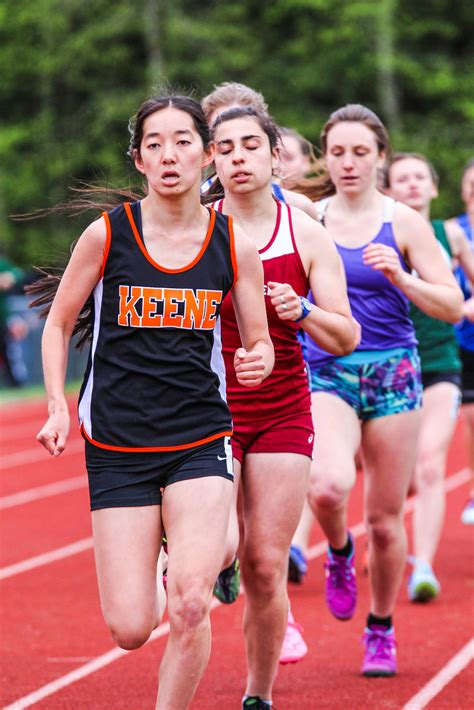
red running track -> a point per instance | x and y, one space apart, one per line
57 653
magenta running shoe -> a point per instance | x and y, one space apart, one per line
341 586
380 658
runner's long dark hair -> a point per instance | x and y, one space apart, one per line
102 199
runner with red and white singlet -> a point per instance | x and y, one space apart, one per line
273 433
288 384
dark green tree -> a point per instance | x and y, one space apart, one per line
71 77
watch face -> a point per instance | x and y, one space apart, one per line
306 306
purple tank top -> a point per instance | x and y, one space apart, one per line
381 309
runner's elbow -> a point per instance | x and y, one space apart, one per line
454 306
348 340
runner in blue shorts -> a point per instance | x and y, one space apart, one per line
372 385
371 398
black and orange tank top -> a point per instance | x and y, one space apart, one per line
155 379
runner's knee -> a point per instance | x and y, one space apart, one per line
429 470
130 633
384 530
263 576
330 492
188 611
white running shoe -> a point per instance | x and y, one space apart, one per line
467 515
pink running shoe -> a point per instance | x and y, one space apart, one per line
380 652
294 647
341 585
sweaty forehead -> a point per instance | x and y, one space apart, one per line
169 118
409 166
238 129
351 133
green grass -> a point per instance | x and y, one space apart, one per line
18 394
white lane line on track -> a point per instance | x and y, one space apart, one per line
50 489
453 668
457 479
39 560
450 483
85 670
19 431
81 672
39 454
315 551
25 429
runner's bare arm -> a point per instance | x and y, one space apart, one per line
460 248
468 309
80 277
254 361
330 323
435 291
303 203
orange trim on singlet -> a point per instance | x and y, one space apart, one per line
275 231
233 255
146 449
108 240
293 240
141 244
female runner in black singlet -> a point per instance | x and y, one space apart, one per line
152 407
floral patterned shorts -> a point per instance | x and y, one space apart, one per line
377 388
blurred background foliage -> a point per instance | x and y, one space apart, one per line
73 72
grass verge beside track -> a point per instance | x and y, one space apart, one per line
18 394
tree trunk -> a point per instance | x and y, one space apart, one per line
386 84
154 20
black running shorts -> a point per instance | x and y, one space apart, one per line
126 479
467 359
